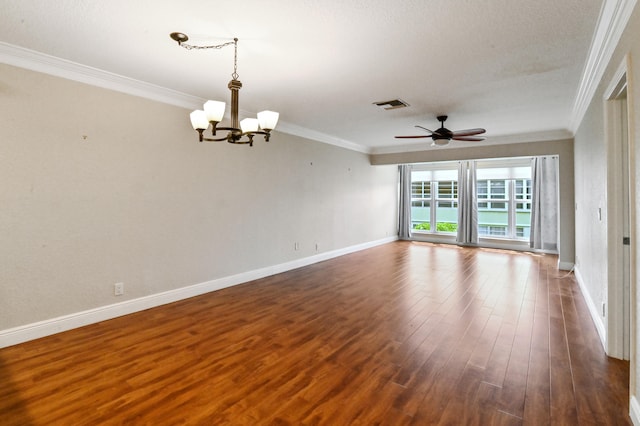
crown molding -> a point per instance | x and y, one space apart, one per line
304 132
491 141
51 65
612 21
47 64
613 17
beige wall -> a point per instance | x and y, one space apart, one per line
99 187
562 148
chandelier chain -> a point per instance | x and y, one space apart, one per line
218 46
235 59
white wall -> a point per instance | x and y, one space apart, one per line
99 187
591 188
591 198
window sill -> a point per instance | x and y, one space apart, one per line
486 242
433 237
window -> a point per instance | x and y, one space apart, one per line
523 195
492 194
503 197
436 187
420 194
447 193
446 212
498 231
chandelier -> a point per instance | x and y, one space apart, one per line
240 132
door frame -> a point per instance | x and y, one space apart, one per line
620 310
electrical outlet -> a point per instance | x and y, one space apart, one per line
316 246
296 246
118 289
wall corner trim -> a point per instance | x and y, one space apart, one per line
14 336
612 21
595 313
634 410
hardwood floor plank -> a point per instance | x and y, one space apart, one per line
406 333
512 396
498 360
537 407
463 409
481 353
563 403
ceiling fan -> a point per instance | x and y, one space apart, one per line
442 136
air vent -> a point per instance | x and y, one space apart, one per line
394 104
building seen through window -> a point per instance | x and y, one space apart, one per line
503 198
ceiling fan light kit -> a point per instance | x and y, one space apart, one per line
240 132
442 136
440 141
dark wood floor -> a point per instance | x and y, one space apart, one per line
401 334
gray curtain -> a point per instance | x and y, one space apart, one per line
404 210
467 203
544 203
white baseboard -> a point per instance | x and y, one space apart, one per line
14 336
634 411
593 310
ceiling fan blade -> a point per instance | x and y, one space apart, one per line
412 137
469 132
467 138
424 128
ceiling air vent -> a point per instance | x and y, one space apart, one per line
394 104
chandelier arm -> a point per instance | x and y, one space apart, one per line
250 136
240 141
265 133
213 139
231 129
201 137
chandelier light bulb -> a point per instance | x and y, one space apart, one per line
268 120
249 125
199 119
214 110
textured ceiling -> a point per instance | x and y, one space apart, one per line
510 66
